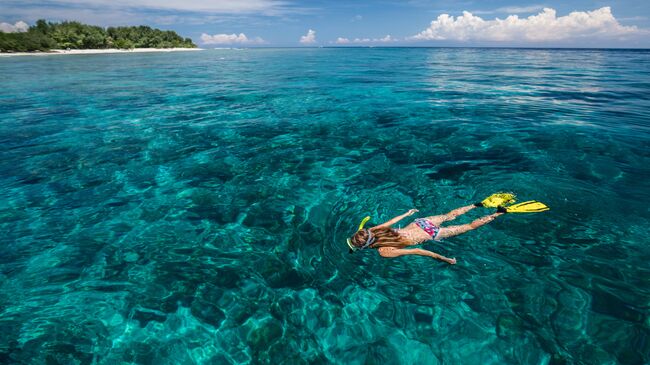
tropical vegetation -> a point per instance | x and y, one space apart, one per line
44 36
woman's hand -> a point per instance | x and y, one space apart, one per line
451 261
411 212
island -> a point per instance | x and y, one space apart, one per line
72 35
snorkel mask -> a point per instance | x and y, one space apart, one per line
369 241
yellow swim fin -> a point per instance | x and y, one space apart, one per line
531 206
497 200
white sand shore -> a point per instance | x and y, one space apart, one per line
98 51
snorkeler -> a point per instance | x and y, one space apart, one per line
391 242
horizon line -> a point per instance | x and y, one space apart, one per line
471 47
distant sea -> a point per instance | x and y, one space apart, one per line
193 207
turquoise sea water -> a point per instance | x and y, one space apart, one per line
193 207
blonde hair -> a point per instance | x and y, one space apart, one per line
383 236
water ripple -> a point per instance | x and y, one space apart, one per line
193 208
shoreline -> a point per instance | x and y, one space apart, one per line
96 51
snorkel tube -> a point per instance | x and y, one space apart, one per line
368 242
363 223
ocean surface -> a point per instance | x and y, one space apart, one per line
193 207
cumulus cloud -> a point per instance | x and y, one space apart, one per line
386 39
20 26
519 9
309 38
543 27
230 39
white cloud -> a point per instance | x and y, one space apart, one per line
386 39
19 27
543 27
510 10
108 16
309 38
94 16
266 7
131 12
230 39
519 9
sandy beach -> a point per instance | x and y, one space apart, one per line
98 51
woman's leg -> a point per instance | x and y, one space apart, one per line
439 219
446 232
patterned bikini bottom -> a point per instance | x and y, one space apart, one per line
427 226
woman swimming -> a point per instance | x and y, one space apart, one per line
391 242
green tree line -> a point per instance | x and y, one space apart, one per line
44 36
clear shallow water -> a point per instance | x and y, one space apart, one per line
192 208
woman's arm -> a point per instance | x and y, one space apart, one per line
396 252
398 218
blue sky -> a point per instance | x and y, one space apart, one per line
212 23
